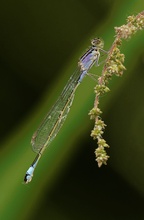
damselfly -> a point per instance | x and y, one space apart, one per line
55 118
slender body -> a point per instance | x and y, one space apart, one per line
55 118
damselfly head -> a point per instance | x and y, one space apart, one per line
97 42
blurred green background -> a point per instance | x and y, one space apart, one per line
40 43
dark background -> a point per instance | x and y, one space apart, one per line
40 44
